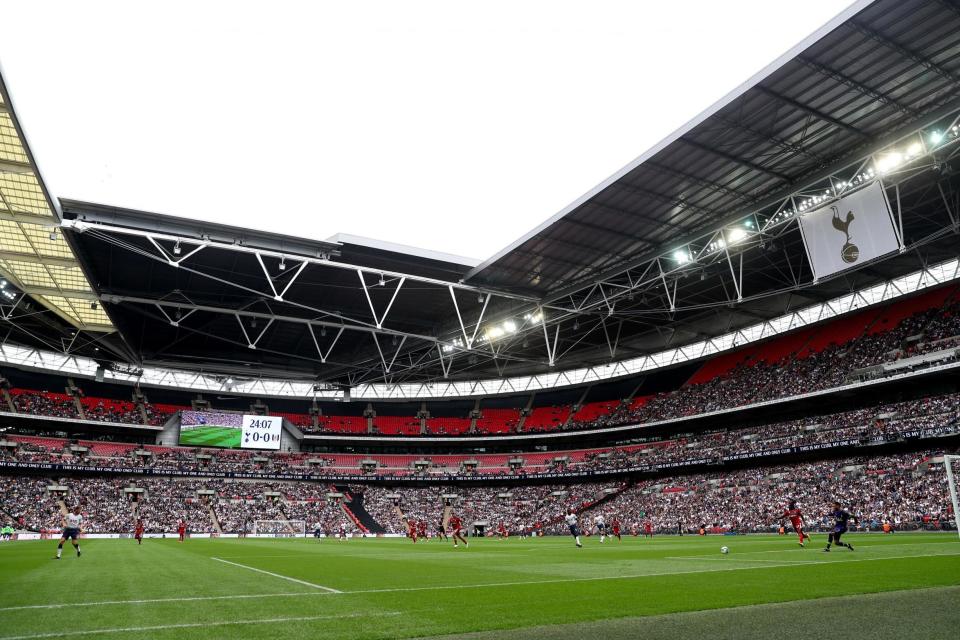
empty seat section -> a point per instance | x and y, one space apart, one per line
498 420
448 426
396 425
546 418
343 424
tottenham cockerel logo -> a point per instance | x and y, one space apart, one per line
849 252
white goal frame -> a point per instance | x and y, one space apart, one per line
280 528
948 461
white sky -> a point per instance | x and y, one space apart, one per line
444 125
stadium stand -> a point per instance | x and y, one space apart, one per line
907 490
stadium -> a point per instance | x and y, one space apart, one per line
719 394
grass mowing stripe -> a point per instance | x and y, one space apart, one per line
275 575
196 625
329 591
792 563
99 603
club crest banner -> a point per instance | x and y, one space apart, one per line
851 231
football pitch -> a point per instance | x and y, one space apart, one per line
895 586
211 436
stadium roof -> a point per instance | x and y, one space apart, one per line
597 283
33 256
857 81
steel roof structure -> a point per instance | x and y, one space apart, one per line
33 255
696 238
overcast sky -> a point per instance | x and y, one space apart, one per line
449 126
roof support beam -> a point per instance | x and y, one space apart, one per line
904 51
859 86
35 259
62 293
816 113
732 158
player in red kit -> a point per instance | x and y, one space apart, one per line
412 526
501 531
182 530
615 526
457 525
422 529
138 531
647 529
796 519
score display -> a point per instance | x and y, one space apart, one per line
230 430
261 432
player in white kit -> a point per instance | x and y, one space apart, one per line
72 524
571 519
601 526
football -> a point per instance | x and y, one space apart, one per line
724 550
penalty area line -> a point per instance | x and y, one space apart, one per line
275 575
196 625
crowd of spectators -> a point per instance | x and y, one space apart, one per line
44 403
514 506
931 416
905 490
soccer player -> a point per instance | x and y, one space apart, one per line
72 524
615 525
7 532
796 519
456 524
647 529
138 531
412 527
181 530
501 531
441 530
318 531
841 517
571 520
601 526
422 529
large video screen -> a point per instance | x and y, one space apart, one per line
231 430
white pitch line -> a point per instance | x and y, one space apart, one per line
275 575
195 625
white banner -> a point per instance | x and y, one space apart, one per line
852 231
261 432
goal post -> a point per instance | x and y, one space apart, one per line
280 528
952 465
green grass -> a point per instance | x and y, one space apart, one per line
391 588
211 436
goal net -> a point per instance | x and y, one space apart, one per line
280 528
952 466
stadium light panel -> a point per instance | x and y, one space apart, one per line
889 161
681 256
736 235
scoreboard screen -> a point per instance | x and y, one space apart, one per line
230 430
